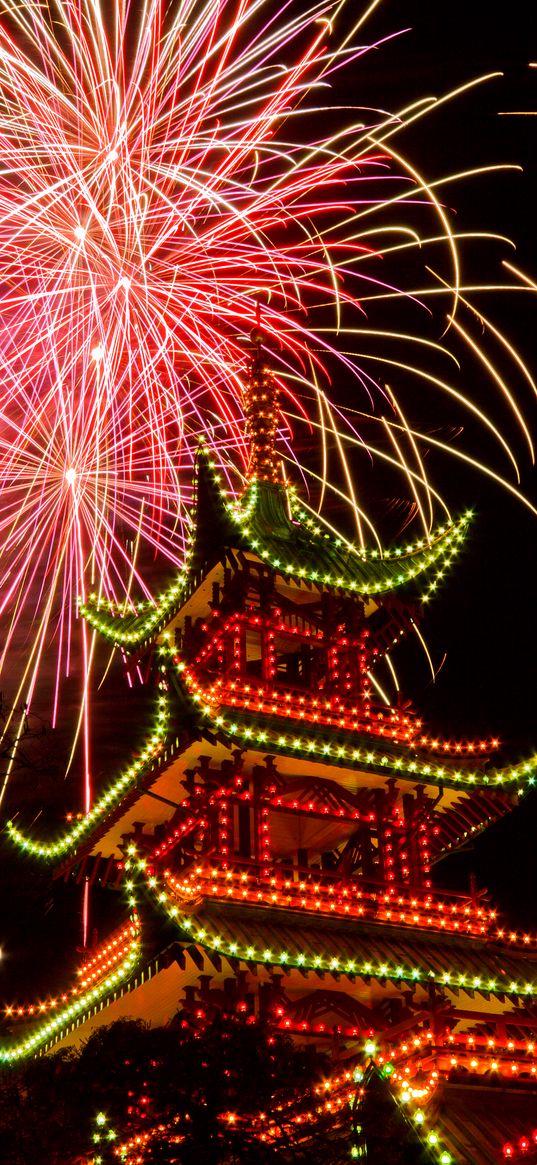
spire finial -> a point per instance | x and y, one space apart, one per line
261 410
256 335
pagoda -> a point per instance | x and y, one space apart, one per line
284 819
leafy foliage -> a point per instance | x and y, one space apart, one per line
222 1091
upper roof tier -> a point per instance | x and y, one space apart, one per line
270 525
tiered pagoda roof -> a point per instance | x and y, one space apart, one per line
268 524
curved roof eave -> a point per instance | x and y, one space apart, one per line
295 547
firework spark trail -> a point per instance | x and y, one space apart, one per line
153 183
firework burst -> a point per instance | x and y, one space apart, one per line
159 174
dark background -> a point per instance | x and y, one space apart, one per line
484 619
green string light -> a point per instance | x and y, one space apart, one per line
393 566
322 961
53 1029
111 798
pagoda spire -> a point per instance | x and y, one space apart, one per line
261 410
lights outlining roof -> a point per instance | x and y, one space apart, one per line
49 1030
512 982
146 761
258 522
330 747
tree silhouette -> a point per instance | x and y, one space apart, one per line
197 1092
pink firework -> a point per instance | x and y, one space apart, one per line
154 183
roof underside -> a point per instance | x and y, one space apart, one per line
476 1121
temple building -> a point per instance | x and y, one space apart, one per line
284 820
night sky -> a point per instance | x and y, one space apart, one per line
484 619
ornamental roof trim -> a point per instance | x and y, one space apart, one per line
329 747
360 949
346 749
269 522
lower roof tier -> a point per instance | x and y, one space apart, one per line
298 787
